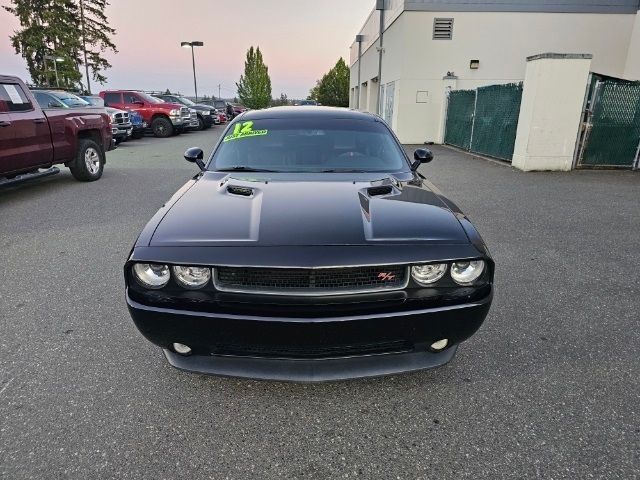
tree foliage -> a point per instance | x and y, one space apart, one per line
96 34
333 89
54 28
283 101
254 87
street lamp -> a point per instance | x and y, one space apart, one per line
193 59
55 60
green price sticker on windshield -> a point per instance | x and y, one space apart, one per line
244 130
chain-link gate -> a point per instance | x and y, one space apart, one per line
460 110
496 120
610 135
485 120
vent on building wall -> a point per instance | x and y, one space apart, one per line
443 28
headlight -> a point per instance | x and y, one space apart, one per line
427 274
192 277
465 273
152 275
175 112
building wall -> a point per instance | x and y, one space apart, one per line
500 40
632 69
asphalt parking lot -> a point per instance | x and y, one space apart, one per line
547 389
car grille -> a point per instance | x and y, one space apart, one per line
121 118
301 281
312 351
185 113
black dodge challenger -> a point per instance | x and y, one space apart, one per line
308 248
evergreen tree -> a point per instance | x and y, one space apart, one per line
333 89
48 30
61 29
96 38
254 87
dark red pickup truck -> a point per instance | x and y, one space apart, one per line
32 138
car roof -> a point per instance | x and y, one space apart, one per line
316 112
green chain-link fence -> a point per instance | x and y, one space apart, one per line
460 118
496 120
614 126
486 124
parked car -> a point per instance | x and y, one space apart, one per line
238 109
205 112
221 106
321 254
33 138
306 103
121 127
165 119
139 126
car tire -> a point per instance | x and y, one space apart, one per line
200 123
89 163
162 127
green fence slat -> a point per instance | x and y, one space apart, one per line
615 125
460 118
496 120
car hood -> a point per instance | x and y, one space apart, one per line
290 209
200 107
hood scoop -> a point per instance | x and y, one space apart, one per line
240 191
380 190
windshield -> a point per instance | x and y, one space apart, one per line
95 101
70 100
309 145
185 101
148 98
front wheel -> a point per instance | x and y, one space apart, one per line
89 163
200 123
162 127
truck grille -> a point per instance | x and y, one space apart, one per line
185 113
121 118
301 281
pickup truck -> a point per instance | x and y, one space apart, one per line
165 119
33 139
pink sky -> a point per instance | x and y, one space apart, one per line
300 40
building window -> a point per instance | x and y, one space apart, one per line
443 28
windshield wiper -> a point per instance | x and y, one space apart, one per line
242 168
343 170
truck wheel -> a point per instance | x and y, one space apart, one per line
200 123
89 162
162 127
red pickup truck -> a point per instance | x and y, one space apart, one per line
165 118
32 138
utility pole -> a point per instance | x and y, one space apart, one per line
84 46
219 95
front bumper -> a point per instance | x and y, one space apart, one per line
309 349
177 121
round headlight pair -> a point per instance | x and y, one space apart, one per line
463 273
155 276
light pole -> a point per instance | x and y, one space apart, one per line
56 60
193 59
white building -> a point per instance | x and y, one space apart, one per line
431 45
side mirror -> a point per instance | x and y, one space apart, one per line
195 155
420 156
